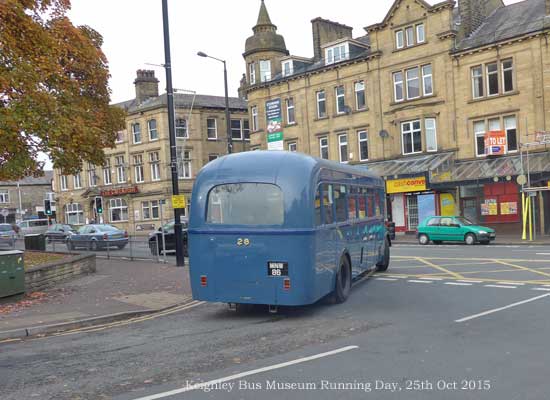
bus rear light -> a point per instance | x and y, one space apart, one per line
204 281
286 284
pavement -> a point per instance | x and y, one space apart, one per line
426 329
119 289
501 239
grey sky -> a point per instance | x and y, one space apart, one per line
132 30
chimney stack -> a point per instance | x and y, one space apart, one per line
147 85
474 12
325 31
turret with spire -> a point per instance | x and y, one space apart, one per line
264 45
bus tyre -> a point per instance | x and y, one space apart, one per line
343 281
384 263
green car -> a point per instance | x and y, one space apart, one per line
453 229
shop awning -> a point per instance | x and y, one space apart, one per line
491 168
418 165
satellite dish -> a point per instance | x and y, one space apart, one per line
383 134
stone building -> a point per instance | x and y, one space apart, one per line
136 181
439 99
24 199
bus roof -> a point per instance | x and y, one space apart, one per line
252 165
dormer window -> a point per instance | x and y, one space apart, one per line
287 67
410 36
337 53
265 70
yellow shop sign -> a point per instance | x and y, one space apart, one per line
416 184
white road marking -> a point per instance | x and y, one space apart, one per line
543 254
511 283
432 279
397 277
501 308
542 289
458 283
417 281
202 385
386 279
502 286
468 281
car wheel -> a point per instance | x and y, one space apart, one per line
343 281
423 239
470 239
385 262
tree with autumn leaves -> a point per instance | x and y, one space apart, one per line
54 95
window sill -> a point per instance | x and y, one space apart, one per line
360 110
154 140
212 139
410 101
257 131
413 46
340 115
321 118
291 125
498 96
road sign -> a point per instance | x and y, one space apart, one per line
5 212
179 201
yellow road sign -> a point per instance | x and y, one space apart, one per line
179 201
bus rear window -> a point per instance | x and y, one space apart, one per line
245 204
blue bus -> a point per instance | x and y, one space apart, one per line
280 228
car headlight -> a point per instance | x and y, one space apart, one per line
482 232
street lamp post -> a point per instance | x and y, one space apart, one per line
180 260
227 115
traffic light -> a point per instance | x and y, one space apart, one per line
47 207
99 204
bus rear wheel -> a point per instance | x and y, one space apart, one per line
343 281
384 263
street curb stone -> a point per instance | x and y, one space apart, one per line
88 322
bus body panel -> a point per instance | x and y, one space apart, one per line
238 273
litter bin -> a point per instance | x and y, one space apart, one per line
12 273
35 242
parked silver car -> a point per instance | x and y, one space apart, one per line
7 235
98 236
32 226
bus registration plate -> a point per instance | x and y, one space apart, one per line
276 268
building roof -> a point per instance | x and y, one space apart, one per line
184 100
508 22
263 16
31 180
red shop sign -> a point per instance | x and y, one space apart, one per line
118 192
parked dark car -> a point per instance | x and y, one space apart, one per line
7 235
98 236
169 239
59 233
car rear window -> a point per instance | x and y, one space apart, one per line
5 228
106 228
245 204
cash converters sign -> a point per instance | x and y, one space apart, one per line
417 184
495 143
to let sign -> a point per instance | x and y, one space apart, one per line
495 143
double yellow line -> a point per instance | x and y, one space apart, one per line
101 327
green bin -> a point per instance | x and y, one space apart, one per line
35 242
12 273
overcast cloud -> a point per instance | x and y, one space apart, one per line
133 35
132 30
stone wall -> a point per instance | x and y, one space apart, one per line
44 276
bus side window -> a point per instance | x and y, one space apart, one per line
318 205
352 203
377 204
362 203
341 200
327 204
370 204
